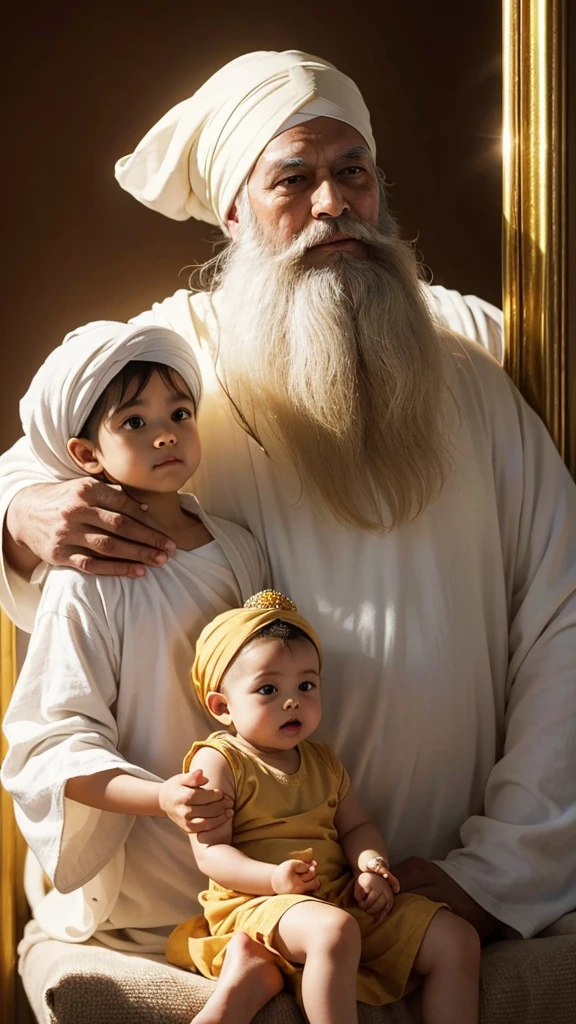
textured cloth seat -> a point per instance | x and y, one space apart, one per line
523 982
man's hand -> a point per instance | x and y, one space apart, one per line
195 809
86 524
295 876
374 895
421 876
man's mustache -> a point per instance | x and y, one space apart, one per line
322 231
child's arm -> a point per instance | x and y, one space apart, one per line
180 798
357 833
361 842
230 867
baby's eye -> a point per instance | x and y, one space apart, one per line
266 690
133 423
181 414
307 685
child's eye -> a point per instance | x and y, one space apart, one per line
307 685
133 423
266 690
181 414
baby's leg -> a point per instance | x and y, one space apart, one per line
449 959
327 941
248 980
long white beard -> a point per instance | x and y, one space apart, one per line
338 368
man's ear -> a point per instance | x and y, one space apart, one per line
84 455
233 223
218 707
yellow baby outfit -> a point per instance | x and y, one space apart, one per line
275 816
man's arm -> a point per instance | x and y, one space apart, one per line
516 859
426 878
16 553
85 524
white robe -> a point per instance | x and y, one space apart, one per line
106 684
450 670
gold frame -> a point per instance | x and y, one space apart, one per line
535 206
535 308
12 849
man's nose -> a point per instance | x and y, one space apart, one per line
290 704
328 200
165 440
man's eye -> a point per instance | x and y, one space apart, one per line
133 423
292 179
307 685
353 170
266 690
181 414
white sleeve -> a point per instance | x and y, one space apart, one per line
518 859
468 315
18 469
60 724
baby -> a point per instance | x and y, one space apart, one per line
301 868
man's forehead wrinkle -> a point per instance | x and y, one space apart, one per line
283 163
290 161
356 151
349 154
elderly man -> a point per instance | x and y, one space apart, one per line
410 502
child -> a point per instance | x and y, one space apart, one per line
102 705
302 869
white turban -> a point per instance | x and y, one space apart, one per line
67 385
195 160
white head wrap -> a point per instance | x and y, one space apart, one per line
193 162
67 385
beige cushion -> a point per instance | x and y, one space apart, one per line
523 982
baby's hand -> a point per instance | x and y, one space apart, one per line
374 895
194 809
295 876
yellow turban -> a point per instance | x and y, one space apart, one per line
221 640
193 162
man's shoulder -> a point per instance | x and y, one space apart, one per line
188 313
468 315
472 366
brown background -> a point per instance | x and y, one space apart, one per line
81 87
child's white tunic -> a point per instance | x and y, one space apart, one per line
106 685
